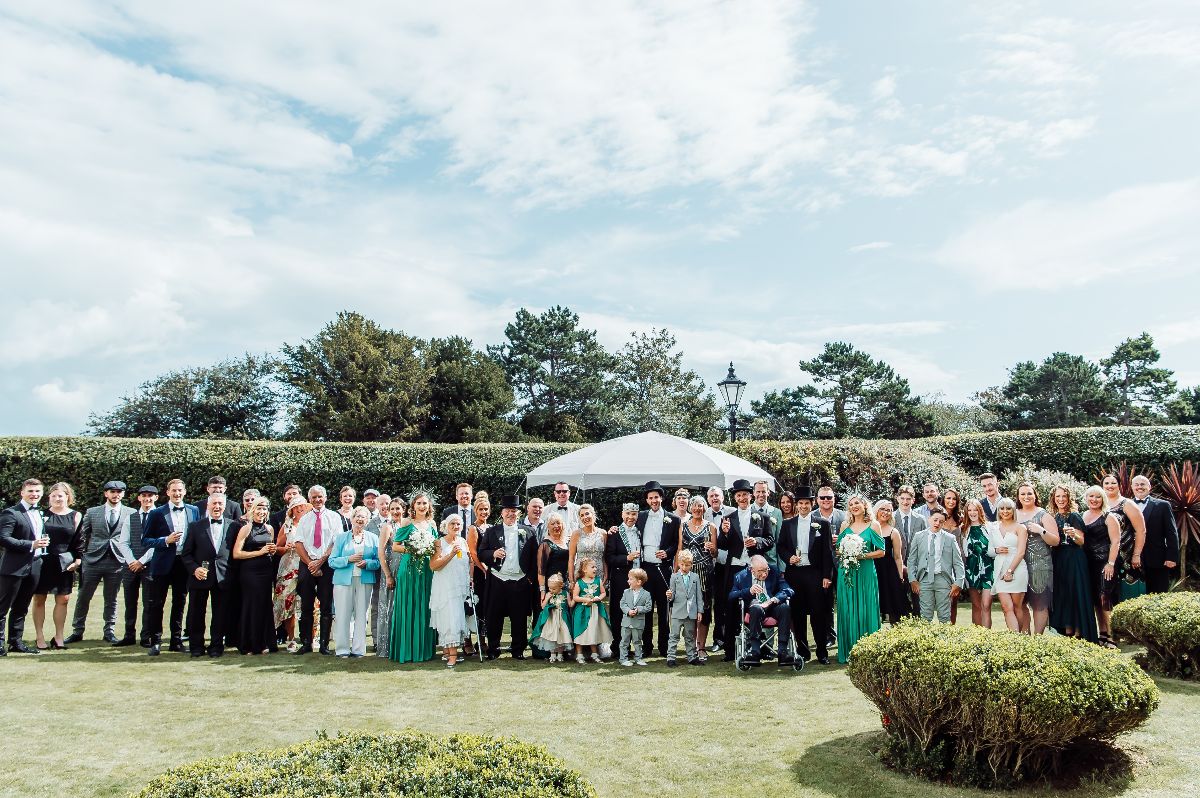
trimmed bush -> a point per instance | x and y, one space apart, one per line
396 763
1168 625
1080 451
991 708
877 468
1043 479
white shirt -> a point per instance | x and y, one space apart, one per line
34 515
935 550
510 568
802 529
179 522
652 534
569 513
331 527
215 530
744 524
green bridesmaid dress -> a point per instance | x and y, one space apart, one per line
857 596
411 639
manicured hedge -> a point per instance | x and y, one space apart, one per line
990 708
1082 451
875 467
1168 625
397 763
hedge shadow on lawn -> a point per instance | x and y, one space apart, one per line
1177 686
850 767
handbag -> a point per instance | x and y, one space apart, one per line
65 558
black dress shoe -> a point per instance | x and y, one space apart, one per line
74 637
728 656
154 650
824 660
109 637
325 650
176 645
3 651
216 653
518 656
302 651
124 641
19 647
144 643
197 653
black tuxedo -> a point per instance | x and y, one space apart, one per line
198 549
617 567
1162 544
810 598
660 577
19 569
508 598
233 509
729 619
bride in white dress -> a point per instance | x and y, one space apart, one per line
448 592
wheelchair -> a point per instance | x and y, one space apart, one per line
769 648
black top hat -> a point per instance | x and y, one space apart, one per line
740 485
114 484
653 487
805 492
510 502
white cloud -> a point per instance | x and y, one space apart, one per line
66 403
869 246
1176 333
1049 243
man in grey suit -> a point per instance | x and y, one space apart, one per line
106 551
133 579
935 568
909 523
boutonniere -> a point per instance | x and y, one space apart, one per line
755 517
816 526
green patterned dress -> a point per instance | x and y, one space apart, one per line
857 595
411 638
979 562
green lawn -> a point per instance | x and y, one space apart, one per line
101 721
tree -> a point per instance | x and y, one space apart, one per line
954 418
468 395
233 399
786 415
558 373
852 395
1142 389
356 381
1064 391
1185 407
652 391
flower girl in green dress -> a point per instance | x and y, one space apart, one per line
552 632
590 620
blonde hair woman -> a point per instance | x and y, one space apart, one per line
858 584
59 563
1010 578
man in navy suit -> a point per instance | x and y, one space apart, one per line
165 529
1161 553
24 546
764 594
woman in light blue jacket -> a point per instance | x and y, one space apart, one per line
355 562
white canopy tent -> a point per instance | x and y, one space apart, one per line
634 460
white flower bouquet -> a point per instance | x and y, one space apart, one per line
421 542
850 551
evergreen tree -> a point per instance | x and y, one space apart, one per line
652 391
469 396
1063 391
1142 389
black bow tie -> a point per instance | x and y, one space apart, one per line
177 509
219 522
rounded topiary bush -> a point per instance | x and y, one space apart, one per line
991 708
393 763
1168 625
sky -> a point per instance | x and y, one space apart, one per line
950 186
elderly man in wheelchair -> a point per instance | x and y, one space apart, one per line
760 598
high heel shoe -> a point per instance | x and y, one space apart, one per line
57 646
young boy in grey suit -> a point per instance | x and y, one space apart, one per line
686 609
935 566
636 604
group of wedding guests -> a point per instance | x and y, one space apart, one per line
307 576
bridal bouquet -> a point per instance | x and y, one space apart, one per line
420 543
850 551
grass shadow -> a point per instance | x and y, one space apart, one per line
849 767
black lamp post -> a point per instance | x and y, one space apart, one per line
731 391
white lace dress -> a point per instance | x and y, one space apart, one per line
448 596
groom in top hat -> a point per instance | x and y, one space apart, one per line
742 534
806 556
509 551
659 532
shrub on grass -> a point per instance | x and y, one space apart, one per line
393 763
991 708
1168 625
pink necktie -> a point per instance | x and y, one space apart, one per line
317 531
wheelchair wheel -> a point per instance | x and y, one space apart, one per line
742 665
798 664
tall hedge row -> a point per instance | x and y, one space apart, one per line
1082 452
877 467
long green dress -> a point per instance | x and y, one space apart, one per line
411 638
857 596
1073 608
